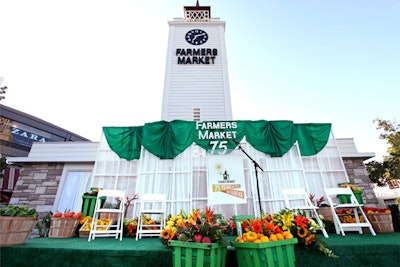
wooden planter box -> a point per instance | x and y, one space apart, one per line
381 222
198 254
267 254
15 230
63 227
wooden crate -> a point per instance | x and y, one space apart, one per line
381 222
15 230
85 233
63 227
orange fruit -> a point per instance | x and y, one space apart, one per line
280 236
273 237
287 235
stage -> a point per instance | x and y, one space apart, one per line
353 250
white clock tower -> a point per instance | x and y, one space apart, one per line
196 83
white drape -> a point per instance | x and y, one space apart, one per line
184 179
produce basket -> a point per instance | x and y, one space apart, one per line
85 229
382 223
198 254
267 254
15 230
63 227
346 198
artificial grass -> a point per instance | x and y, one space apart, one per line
353 250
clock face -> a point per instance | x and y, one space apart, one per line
196 37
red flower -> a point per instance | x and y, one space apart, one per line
301 221
257 226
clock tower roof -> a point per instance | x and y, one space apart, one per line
197 13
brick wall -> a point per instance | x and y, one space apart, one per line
37 186
358 176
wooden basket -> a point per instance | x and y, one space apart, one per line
326 212
381 222
85 233
63 227
15 230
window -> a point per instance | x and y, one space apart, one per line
73 184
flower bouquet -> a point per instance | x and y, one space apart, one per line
197 239
195 227
285 225
130 226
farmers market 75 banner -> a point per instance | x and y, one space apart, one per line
226 183
167 140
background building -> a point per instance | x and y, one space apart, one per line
18 131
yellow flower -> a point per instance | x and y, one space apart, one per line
302 232
165 234
309 239
287 221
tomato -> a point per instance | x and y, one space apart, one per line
69 214
57 215
77 215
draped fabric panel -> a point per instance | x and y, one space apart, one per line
167 140
124 141
312 137
274 138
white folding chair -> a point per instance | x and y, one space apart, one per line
354 206
153 205
116 227
299 199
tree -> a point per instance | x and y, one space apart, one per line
382 172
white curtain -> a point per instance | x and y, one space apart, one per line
72 191
184 179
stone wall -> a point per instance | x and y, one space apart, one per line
37 186
358 176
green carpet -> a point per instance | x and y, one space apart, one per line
353 250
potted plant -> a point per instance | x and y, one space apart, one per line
199 234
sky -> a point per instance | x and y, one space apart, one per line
85 64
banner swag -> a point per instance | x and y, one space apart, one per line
167 140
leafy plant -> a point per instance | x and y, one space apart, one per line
44 225
389 169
